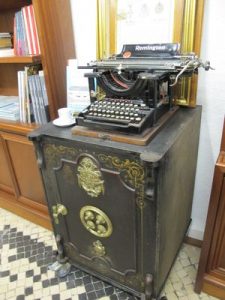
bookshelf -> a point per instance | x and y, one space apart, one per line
20 59
21 189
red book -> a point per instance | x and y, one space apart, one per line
14 36
31 30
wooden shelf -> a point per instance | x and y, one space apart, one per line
12 4
20 59
21 189
16 127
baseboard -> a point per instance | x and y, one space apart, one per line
192 241
18 208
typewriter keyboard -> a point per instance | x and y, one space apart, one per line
117 111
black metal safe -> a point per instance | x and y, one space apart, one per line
119 211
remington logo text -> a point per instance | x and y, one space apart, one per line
150 47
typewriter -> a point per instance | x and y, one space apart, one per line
137 86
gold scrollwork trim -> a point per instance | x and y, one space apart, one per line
53 153
133 173
96 221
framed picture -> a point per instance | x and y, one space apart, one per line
152 21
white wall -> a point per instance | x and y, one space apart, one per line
84 15
211 92
211 95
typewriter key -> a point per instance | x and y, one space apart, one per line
117 112
132 118
136 115
138 119
107 116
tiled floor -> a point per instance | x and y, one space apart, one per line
26 250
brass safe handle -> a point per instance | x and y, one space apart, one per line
57 210
96 221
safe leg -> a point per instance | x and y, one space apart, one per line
62 267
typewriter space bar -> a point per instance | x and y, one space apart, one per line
107 120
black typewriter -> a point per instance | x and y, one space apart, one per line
137 85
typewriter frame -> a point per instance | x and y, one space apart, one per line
187 32
157 78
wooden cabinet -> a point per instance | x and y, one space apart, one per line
211 271
21 189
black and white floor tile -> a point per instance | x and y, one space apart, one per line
26 251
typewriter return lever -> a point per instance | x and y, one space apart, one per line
193 65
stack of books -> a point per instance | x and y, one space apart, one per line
6 47
9 108
26 40
33 100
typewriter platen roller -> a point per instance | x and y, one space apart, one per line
137 85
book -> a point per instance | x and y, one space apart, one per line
26 40
39 98
44 93
34 110
9 108
34 99
18 44
5 34
5 43
30 28
6 52
22 96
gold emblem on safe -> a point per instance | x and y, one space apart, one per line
90 177
96 221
